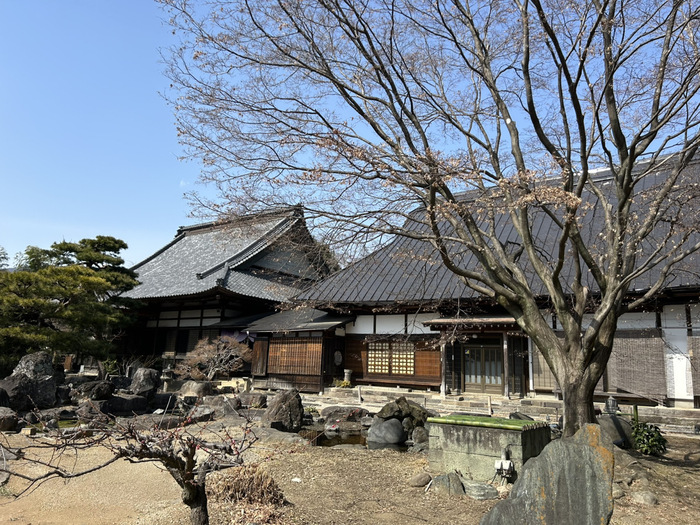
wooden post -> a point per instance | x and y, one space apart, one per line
506 368
443 371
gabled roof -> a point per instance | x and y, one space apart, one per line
215 255
409 270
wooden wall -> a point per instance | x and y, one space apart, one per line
426 364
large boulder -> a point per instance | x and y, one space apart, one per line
38 365
448 484
4 398
127 404
198 389
26 393
388 431
92 391
616 430
338 414
410 415
8 420
145 382
93 410
285 412
550 486
224 404
252 400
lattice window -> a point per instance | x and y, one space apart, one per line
378 358
403 358
391 358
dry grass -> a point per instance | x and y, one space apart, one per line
246 484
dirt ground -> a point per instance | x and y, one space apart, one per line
328 486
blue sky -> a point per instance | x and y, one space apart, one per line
87 145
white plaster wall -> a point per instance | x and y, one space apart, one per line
415 323
629 321
678 372
637 321
364 324
392 324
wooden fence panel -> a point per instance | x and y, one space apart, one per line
295 356
637 364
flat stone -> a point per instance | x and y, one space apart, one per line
420 480
479 491
645 497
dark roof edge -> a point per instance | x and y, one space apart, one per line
295 210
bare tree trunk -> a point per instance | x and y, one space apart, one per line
195 497
578 404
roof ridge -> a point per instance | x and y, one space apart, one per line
262 242
294 210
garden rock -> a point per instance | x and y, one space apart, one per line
285 412
26 393
145 382
420 435
448 484
420 480
8 420
163 401
199 415
479 491
89 410
4 398
556 477
617 491
92 391
38 365
196 388
122 404
153 421
63 395
340 413
409 414
645 497
120 382
59 413
251 400
224 405
401 409
616 430
389 431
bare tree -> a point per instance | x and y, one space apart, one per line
187 452
485 116
217 356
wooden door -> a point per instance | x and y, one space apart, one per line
483 365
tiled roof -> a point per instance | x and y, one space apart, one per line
410 271
207 256
302 319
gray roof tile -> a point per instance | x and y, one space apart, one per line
410 271
204 257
